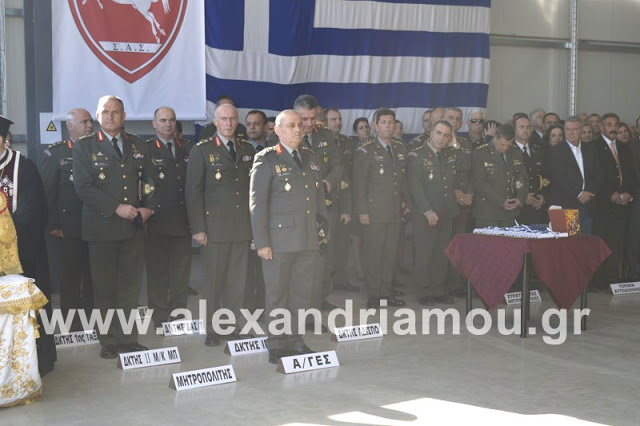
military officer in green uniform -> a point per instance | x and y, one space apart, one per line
431 182
65 218
380 198
168 241
533 210
501 180
320 140
217 196
340 242
287 201
111 173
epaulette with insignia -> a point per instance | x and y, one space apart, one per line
418 148
307 149
484 145
57 144
205 141
92 135
150 140
269 149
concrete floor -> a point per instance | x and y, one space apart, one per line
420 379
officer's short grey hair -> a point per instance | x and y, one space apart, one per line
106 98
305 102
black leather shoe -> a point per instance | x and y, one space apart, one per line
304 349
397 293
276 354
212 340
347 287
393 302
443 299
426 300
131 347
326 306
109 352
238 336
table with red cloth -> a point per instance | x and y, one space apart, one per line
492 264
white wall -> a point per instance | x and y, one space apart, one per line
523 78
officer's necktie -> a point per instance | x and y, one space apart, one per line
526 152
504 158
114 141
232 150
170 146
390 153
305 139
297 159
439 156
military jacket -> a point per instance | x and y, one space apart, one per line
63 204
103 181
217 190
496 180
327 155
286 200
379 186
169 172
431 181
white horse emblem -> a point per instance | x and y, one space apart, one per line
144 8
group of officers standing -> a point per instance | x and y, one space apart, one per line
273 212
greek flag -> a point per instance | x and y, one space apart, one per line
356 55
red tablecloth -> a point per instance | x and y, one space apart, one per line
492 264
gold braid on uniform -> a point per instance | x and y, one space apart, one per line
9 259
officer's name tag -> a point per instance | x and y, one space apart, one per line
356 332
183 327
516 297
246 346
202 378
308 362
76 338
625 288
150 358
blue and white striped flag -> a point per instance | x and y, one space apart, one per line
355 55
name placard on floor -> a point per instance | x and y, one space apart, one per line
516 297
150 358
76 338
183 327
308 362
625 288
202 378
356 332
246 346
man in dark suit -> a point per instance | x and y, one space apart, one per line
501 180
573 171
111 172
618 189
65 218
533 210
217 195
168 242
535 117
286 199
210 129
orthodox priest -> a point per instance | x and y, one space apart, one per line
20 181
